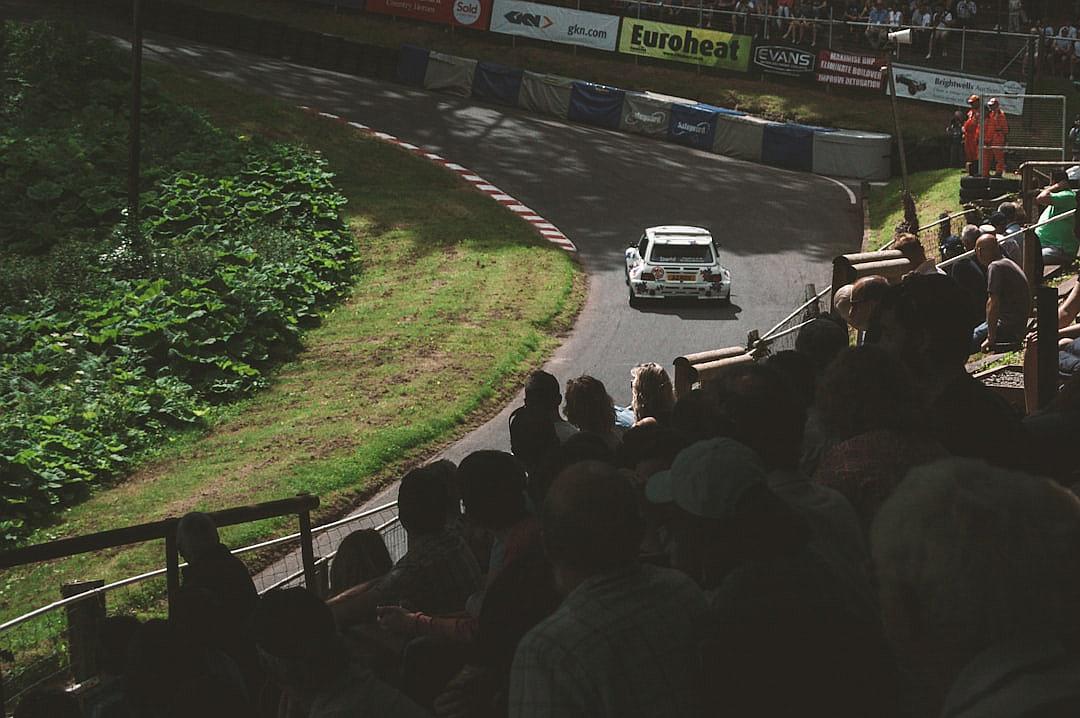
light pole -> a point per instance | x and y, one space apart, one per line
901 37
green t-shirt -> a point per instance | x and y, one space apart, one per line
1059 234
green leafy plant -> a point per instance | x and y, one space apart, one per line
105 346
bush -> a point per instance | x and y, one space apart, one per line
108 340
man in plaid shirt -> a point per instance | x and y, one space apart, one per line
436 576
624 642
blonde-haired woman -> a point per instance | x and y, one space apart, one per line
652 395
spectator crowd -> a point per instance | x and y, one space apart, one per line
838 530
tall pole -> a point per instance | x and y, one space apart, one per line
134 144
896 124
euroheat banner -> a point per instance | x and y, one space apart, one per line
950 88
847 69
555 24
680 43
467 13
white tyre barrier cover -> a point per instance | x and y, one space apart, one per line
854 154
447 73
740 137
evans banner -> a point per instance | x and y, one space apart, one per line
680 43
784 60
555 24
467 13
948 88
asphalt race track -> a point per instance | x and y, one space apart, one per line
778 230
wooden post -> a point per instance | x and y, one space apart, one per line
1033 265
172 567
1046 305
84 620
307 551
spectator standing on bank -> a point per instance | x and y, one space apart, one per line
955 133
971 135
997 133
965 13
1058 240
1074 136
878 19
943 19
1016 15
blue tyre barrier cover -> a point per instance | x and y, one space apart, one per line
412 65
596 104
693 125
789 146
497 83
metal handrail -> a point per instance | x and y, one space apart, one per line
322 559
42 610
831 20
768 336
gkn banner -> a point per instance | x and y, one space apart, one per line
681 43
555 24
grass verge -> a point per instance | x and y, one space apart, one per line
935 191
774 99
456 300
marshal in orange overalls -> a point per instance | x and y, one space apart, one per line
971 134
996 132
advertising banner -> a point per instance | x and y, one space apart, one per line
555 24
845 69
950 88
467 13
787 60
680 43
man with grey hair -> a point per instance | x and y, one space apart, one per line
979 588
1008 297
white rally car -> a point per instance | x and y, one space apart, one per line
675 261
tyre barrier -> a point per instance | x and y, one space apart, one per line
805 148
841 153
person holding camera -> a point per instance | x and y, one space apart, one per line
1058 240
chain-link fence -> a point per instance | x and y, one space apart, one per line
1037 133
992 52
782 336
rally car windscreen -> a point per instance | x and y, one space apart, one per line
681 254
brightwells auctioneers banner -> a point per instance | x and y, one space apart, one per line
680 43
555 24
949 88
